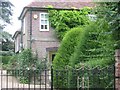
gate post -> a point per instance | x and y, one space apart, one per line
117 69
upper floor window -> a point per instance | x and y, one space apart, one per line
44 22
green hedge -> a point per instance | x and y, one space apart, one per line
64 53
96 49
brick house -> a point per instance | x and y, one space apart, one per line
17 39
36 32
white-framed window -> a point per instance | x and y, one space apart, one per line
44 22
24 21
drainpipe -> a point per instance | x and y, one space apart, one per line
30 29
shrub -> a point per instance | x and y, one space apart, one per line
5 59
25 63
6 53
65 50
13 62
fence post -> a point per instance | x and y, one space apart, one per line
117 69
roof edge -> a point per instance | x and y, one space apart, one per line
25 9
16 33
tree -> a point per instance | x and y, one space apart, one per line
5 13
7 42
110 11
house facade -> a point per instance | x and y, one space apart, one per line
36 32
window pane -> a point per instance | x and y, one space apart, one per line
45 26
42 26
42 15
46 16
46 21
42 22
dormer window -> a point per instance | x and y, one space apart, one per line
44 22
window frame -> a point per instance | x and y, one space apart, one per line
44 23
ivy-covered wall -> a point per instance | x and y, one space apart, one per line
63 20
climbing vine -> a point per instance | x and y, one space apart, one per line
63 20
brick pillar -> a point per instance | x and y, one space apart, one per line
117 69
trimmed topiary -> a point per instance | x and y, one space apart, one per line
64 53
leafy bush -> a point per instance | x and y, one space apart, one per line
96 50
6 53
64 53
13 62
24 64
5 59
67 20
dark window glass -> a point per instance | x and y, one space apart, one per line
42 26
45 26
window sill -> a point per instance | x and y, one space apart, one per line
44 30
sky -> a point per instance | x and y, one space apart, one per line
17 9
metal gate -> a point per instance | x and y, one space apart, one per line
83 78
25 80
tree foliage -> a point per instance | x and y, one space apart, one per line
64 20
5 13
110 11
7 42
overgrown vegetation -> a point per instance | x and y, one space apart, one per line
64 20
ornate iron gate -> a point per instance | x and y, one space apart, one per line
85 78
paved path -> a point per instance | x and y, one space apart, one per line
11 82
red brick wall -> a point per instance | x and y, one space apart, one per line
40 39
117 69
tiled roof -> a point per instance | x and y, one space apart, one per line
56 4
61 4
